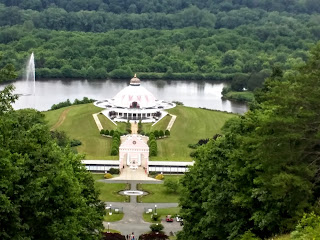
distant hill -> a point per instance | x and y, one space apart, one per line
239 40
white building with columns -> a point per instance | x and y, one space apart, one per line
134 152
136 103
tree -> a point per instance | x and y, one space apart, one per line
262 175
43 183
167 132
7 98
161 133
171 185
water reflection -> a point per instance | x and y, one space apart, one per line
203 94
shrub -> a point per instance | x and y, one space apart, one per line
178 103
249 236
151 136
114 151
108 176
153 174
111 132
171 185
113 236
159 177
155 217
193 146
156 227
161 133
308 228
153 236
114 171
102 131
167 133
106 132
156 134
75 142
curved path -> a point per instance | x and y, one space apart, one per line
61 119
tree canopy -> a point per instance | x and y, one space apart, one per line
263 174
45 191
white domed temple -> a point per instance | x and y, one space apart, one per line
134 102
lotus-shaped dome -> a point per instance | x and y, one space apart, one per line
134 96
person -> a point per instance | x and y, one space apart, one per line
127 237
132 236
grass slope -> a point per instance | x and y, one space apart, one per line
191 125
79 124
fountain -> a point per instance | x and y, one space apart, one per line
133 193
31 75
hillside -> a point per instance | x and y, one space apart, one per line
191 125
193 39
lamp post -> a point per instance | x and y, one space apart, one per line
108 227
155 209
110 213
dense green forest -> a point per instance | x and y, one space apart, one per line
262 175
216 40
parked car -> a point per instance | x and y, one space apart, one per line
169 218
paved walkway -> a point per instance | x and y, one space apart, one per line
138 174
132 220
173 119
96 119
134 128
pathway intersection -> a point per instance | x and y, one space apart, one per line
133 211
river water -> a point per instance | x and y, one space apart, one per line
203 94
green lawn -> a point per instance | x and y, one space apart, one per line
113 218
109 191
106 123
79 124
52 117
161 125
162 212
191 125
240 96
157 193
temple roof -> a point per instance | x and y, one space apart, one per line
134 93
135 81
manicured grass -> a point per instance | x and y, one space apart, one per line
79 124
161 125
162 212
52 117
109 191
191 125
106 123
240 96
113 218
157 194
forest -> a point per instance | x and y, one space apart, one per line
214 40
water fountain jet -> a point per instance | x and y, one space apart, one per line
31 74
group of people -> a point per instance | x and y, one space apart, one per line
130 236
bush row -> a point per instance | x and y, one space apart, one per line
68 103
115 143
158 134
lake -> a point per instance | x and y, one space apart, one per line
205 94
